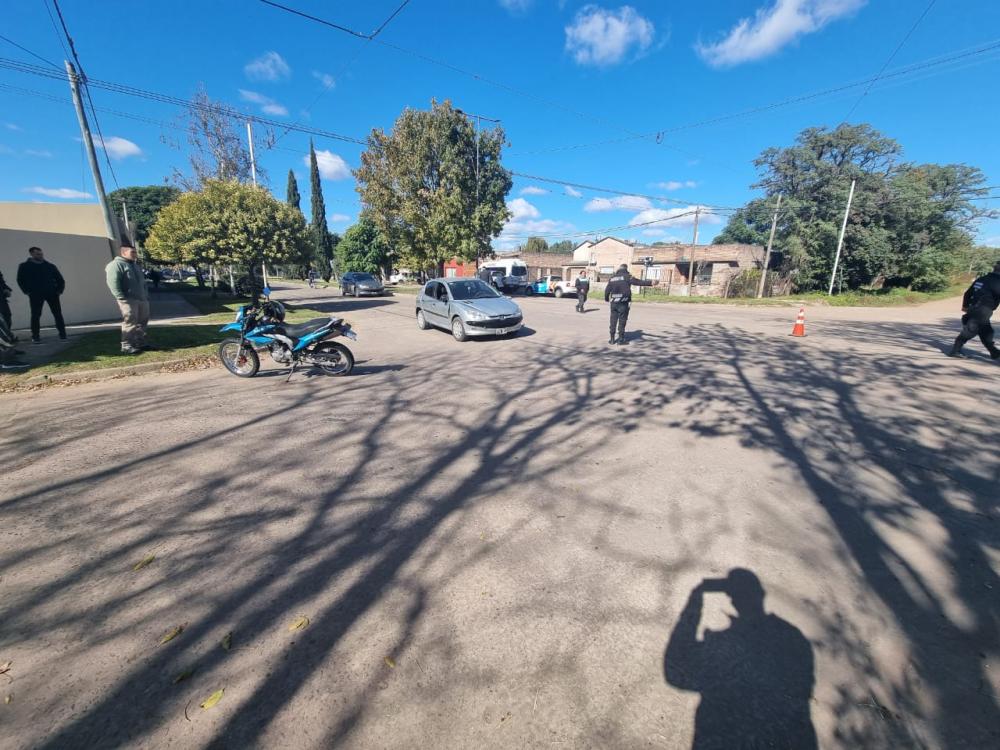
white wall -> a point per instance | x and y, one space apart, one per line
80 260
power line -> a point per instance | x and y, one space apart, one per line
605 230
905 71
86 90
119 88
612 191
454 68
889 60
25 49
343 68
55 29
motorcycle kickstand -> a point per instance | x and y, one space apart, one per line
291 370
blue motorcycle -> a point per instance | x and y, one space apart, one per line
261 326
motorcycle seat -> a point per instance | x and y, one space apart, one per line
303 329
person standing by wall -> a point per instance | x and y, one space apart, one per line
582 285
128 285
43 284
5 292
619 293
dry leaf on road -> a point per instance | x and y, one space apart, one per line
144 562
299 623
5 668
389 662
213 699
227 641
167 637
183 675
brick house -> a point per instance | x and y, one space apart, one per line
544 264
456 268
670 265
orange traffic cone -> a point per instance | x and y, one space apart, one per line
800 323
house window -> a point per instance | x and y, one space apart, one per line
653 272
593 259
703 274
607 269
451 273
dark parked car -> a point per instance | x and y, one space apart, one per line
357 284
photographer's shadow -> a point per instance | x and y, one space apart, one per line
755 677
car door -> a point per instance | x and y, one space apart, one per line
431 303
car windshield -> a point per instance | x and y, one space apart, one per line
471 289
363 277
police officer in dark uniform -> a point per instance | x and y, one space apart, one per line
978 304
582 290
619 293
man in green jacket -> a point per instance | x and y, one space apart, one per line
128 285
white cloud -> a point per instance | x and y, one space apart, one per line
604 37
660 234
573 193
268 67
515 232
118 148
621 203
11 126
57 192
267 105
516 6
773 27
675 184
331 166
42 153
521 209
670 215
326 79
338 218
534 190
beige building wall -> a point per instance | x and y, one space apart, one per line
73 238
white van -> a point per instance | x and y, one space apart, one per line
514 270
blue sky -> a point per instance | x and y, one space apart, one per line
582 74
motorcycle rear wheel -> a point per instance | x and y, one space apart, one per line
241 361
342 361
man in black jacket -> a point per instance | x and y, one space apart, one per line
978 304
582 285
43 284
619 293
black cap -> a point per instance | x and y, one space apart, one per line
623 267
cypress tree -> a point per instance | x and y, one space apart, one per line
321 234
293 199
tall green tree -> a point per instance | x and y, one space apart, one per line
322 241
420 185
908 223
229 223
364 248
536 245
143 205
293 198
564 247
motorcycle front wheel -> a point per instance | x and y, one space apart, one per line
339 357
241 361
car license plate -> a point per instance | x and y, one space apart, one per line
503 331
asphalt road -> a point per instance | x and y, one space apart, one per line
501 543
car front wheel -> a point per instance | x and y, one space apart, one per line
458 329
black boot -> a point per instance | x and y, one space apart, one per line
956 348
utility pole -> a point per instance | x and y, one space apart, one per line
253 164
694 246
767 255
110 223
840 241
479 118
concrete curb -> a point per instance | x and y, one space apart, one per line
107 373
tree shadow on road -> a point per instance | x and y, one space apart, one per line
279 505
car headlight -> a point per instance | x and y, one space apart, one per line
473 314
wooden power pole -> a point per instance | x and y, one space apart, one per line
767 255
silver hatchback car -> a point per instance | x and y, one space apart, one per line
467 308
